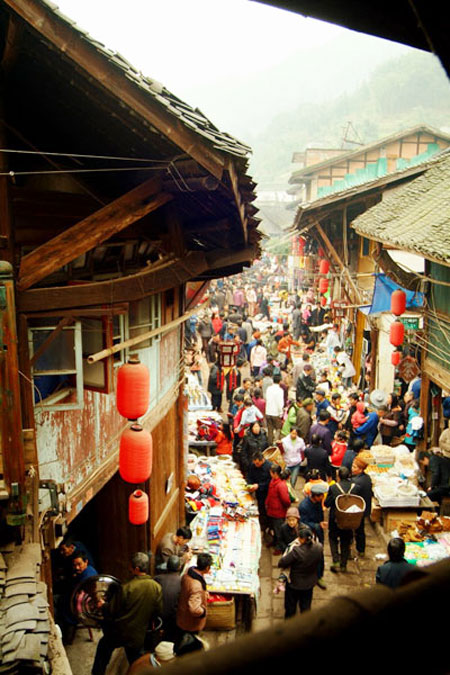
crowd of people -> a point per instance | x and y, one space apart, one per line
288 416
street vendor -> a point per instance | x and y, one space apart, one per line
174 544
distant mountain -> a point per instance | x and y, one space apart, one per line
400 93
245 106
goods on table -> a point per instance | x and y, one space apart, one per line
426 525
383 454
198 399
428 551
203 425
394 481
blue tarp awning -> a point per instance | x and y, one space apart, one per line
384 287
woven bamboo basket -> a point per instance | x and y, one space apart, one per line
273 454
349 521
221 615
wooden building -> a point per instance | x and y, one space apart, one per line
114 193
327 219
415 218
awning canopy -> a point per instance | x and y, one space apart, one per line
384 287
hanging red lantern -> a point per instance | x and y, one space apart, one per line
398 302
301 245
321 253
323 285
133 389
395 358
138 508
323 301
396 333
324 266
136 454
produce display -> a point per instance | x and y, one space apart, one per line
394 476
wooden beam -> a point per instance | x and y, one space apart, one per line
123 289
65 321
90 232
332 251
393 271
237 196
87 58
87 311
226 257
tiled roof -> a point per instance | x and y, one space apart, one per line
414 217
193 118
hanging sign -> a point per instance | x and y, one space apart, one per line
408 369
410 322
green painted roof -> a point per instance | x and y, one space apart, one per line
414 217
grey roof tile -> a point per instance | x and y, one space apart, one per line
416 216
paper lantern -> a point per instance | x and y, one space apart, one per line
324 266
321 253
136 454
323 301
398 302
396 333
395 358
323 285
138 508
133 389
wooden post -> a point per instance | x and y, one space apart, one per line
10 399
374 333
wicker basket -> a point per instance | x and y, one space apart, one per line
345 520
274 455
221 615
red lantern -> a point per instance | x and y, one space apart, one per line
138 508
321 253
323 301
398 302
301 245
136 454
133 389
396 333
324 266
395 358
323 285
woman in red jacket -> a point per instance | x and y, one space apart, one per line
277 503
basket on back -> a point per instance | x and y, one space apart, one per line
345 520
273 454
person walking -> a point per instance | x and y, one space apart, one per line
363 488
277 504
193 602
311 515
303 558
128 615
337 536
293 449
274 408
170 583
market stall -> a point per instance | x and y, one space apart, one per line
225 525
427 538
395 479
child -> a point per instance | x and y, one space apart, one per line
339 448
358 417
289 529
324 383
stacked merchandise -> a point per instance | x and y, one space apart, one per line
228 527
394 476
203 426
427 539
198 399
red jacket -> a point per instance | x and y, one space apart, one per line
277 500
339 448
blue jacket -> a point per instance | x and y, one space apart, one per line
369 429
311 514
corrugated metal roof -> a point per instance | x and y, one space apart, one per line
414 217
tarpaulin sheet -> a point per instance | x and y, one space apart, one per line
384 287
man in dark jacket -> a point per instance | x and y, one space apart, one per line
170 583
353 449
128 615
215 386
335 534
369 430
254 441
393 571
259 478
304 418
321 429
305 384
440 469
304 559
311 515
363 488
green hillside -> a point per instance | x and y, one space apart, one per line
401 93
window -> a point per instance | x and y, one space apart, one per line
99 334
145 315
57 368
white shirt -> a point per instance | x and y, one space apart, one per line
348 368
258 356
332 340
294 451
274 400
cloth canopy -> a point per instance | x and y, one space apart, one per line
384 287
